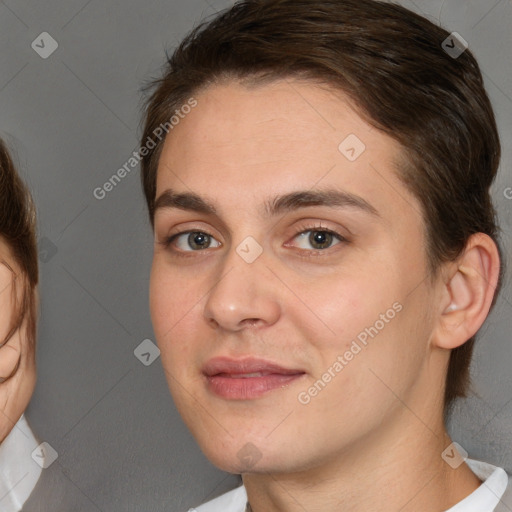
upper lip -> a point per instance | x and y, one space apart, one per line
246 365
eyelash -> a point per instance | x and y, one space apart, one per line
302 230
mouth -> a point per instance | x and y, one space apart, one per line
246 379
243 375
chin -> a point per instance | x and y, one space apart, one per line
245 455
232 464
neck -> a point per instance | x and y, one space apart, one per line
398 468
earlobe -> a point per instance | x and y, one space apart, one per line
469 293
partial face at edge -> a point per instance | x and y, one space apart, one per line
16 391
310 297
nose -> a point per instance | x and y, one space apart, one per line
244 294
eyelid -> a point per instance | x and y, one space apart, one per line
305 226
183 228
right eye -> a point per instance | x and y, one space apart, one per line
197 240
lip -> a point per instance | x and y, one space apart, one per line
232 379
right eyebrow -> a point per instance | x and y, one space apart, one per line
184 201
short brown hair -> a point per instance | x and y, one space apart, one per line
17 229
391 64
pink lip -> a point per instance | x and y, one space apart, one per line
228 377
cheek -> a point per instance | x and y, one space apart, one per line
174 306
167 298
6 309
347 304
364 320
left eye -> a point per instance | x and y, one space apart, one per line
318 238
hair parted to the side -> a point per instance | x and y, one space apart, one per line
389 61
18 231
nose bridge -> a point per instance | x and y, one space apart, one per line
242 290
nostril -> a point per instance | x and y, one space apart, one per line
251 321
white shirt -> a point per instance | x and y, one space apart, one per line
483 499
19 473
487 496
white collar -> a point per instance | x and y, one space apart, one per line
18 471
488 495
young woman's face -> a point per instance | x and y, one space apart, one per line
327 295
15 353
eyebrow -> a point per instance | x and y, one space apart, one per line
332 198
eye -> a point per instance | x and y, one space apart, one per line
318 238
197 240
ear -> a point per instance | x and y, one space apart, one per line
468 292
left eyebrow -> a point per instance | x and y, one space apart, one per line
332 198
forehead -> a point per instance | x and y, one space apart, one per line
245 142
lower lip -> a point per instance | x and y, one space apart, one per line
234 388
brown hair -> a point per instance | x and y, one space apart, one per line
391 64
17 229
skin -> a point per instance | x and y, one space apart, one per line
15 392
374 435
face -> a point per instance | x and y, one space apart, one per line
291 304
15 392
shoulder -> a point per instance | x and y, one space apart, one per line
494 494
232 501
505 504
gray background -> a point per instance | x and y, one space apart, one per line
73 120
